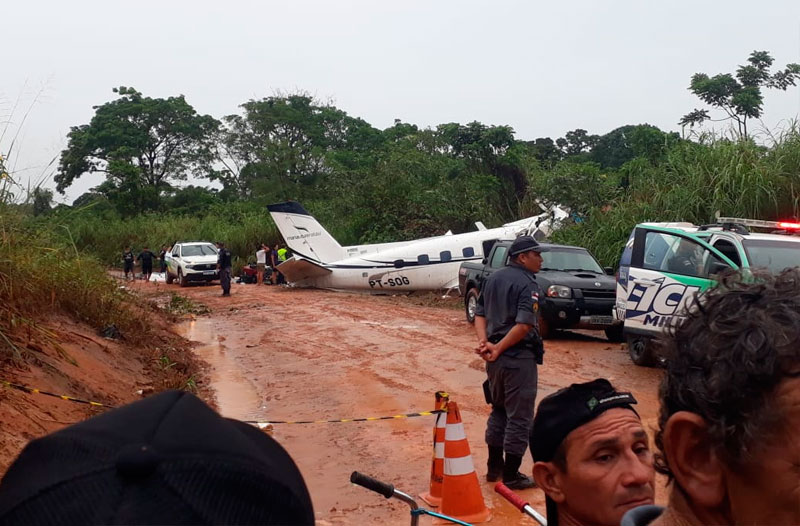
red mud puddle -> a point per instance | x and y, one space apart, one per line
235 394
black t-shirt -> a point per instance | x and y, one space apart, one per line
162 255
224 258
127 257
146 257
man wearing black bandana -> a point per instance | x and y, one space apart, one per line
591 455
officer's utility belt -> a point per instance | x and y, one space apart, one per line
535 347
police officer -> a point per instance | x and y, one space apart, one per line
506 322
224 268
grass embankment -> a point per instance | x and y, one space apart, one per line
42 273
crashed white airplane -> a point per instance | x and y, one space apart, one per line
421 264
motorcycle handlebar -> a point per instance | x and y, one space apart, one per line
382 488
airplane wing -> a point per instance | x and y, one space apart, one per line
300 269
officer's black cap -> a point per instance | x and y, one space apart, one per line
566 410
167 459
526 244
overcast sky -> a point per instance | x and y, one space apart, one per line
541 67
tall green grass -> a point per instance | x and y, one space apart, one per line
241 226
697 180
40 274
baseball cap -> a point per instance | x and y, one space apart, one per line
568 409
167 459
526 244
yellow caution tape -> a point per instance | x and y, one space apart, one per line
33 390
342 420
260 424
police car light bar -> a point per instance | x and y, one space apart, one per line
758 223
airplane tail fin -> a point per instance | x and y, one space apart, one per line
303 234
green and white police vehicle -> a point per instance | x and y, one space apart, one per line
665 265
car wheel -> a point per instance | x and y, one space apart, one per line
641 350
615 334
471 304
182 281
169 278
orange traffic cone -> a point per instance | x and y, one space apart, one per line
461 493
433 497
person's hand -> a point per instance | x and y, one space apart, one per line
481 347
491 353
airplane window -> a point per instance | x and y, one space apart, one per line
399 263
468 252
423 259
445 256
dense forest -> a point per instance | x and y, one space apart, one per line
171 173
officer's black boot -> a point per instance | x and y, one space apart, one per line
511 475
495 464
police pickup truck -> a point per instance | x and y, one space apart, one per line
665 265
578 292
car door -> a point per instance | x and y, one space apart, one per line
172 256
668 268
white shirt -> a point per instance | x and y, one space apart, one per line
261 257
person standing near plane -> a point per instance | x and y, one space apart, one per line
272 259
127 261
162 257
224 265
506 323
146 257
261 263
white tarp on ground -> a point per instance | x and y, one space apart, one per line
158 276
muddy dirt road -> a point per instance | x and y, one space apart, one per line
287 354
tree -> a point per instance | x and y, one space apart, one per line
739 97
576 142
42 200
282 142
545 151
140 143
625 143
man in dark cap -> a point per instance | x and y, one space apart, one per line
167 459
591 455
506 322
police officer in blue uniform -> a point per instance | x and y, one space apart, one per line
506 322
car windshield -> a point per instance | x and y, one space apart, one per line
198 250
570 260
775 255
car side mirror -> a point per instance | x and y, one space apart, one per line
609 270
484 261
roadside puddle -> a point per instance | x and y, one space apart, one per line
236 395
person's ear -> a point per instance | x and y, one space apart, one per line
693 459
547 477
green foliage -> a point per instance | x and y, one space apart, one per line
42 272
739 96
241 226
695 180
182 305
625 143
141 144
